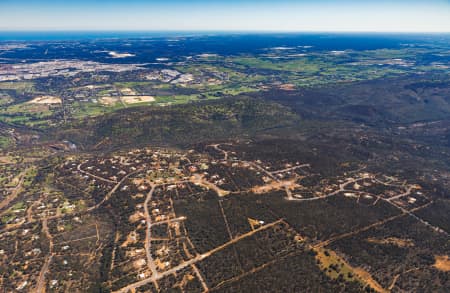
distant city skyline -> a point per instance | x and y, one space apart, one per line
231 15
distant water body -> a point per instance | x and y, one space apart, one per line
232 42
9 36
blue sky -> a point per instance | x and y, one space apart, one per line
231 15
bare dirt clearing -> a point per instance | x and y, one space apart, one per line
277 185
128 92
109 100
138 99
46 100
442 263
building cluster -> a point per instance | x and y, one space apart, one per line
66 68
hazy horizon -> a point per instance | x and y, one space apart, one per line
227 16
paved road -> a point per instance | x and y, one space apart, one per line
408 192
179 219
40 287
94 176
290 169
109 194
217 148
198 258
150 262
341 189
198 179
